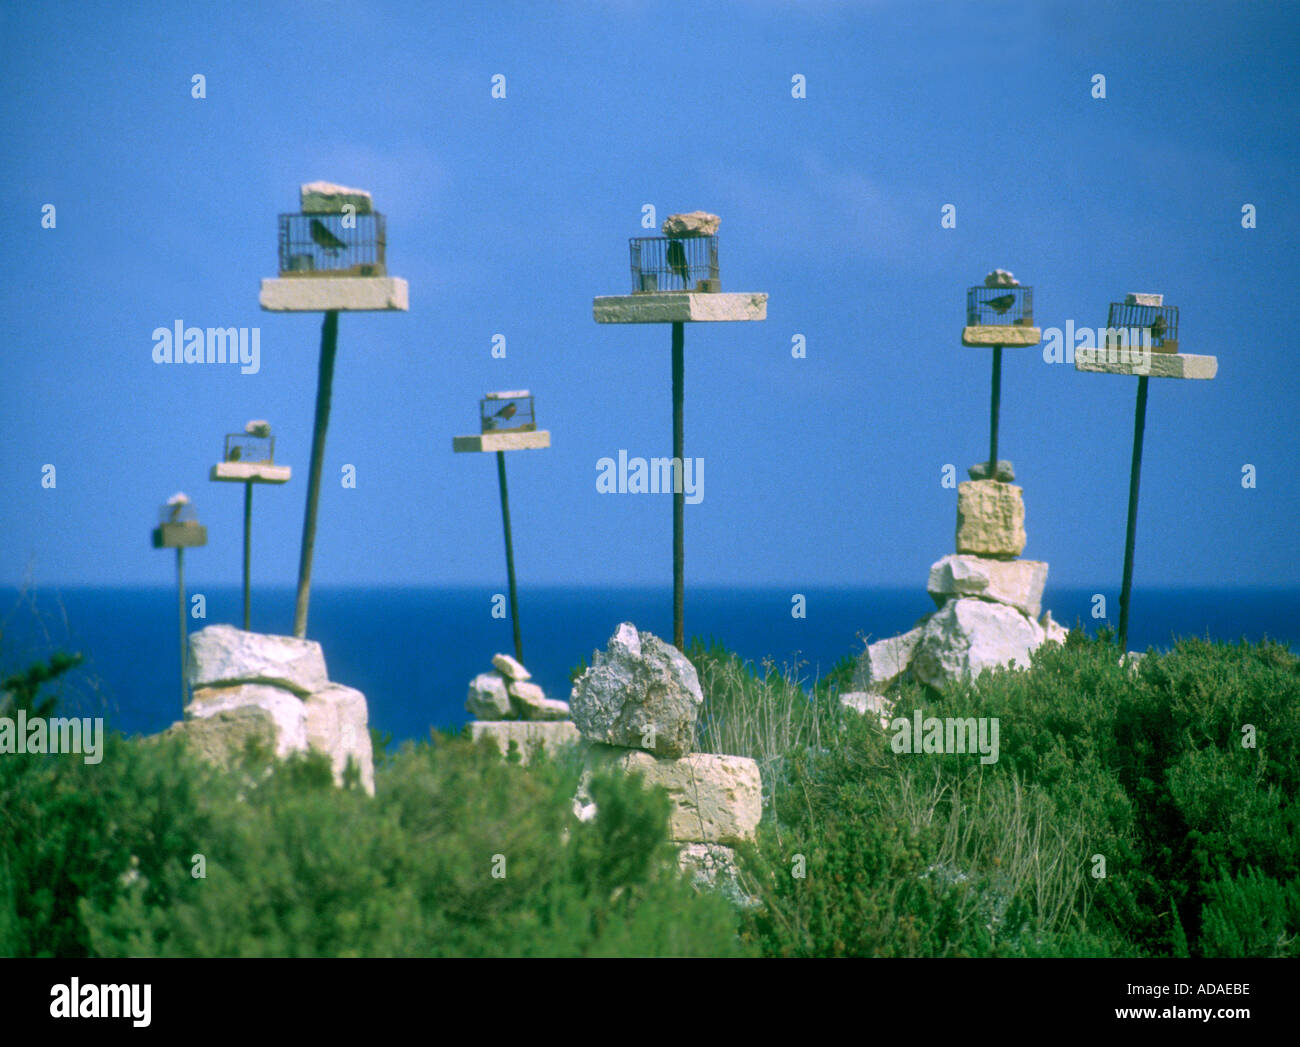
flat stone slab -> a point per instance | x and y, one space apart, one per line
250 472
679 307
502 441
530 736
346 294
1016 583
1000 334
1157 365
222 655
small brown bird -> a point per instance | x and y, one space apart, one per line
505 414
677 262
1158 328
1001 304
324 238
235 454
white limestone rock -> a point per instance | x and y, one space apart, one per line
489 698
530 702
1051 630
968 635
338 726
864 703
1138 298
885 660
1017 583
716 799
639 692
694 223
509 668
713 867
286 710
530 737
1001 278
222 654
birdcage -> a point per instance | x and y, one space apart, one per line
245 447
507 412
322 245
1128 324
1000 306
666 263
178 526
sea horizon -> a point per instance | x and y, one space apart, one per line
412 650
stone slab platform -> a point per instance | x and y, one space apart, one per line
529 735
679 307
502 441
1002 334
182 535
1158 365
250 472
346 294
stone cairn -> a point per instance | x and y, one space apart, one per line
274 688
507 707
989 601
637 706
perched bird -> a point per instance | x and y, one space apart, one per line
677 262
235 454
177 503
1001 304
1158 329
505 414
324 238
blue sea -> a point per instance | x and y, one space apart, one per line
413 651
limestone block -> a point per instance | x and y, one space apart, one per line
968 635
680 306
990 518
1135 362
531 737
345 294
222 654
338 726
509 668
488 698
1017 583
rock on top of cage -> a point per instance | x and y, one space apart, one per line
329 198
694 223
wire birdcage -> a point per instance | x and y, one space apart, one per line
321 245
507 412
1129 321
1000 306
245 447
665 263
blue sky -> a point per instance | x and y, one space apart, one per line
508 215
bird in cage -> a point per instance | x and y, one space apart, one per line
677 262
1002 303
1158 328
324 238
505 414
235 454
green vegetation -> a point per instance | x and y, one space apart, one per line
862 851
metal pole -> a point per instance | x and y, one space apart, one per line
679 495
1135 471
994 406
180 595
329 336
248 542
510 554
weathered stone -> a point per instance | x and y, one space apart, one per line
488 697
529 440
531 703
639 692
509 668
1005 335
990 518
328 198
1153 365
258 427
1017 583
968 635
1001 278
285 708
221 738
862 703
531 738
222 654
1144 299
885 660
1051 630
678 307
693 223
713 867
716 799
344 294
338 726
980 471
